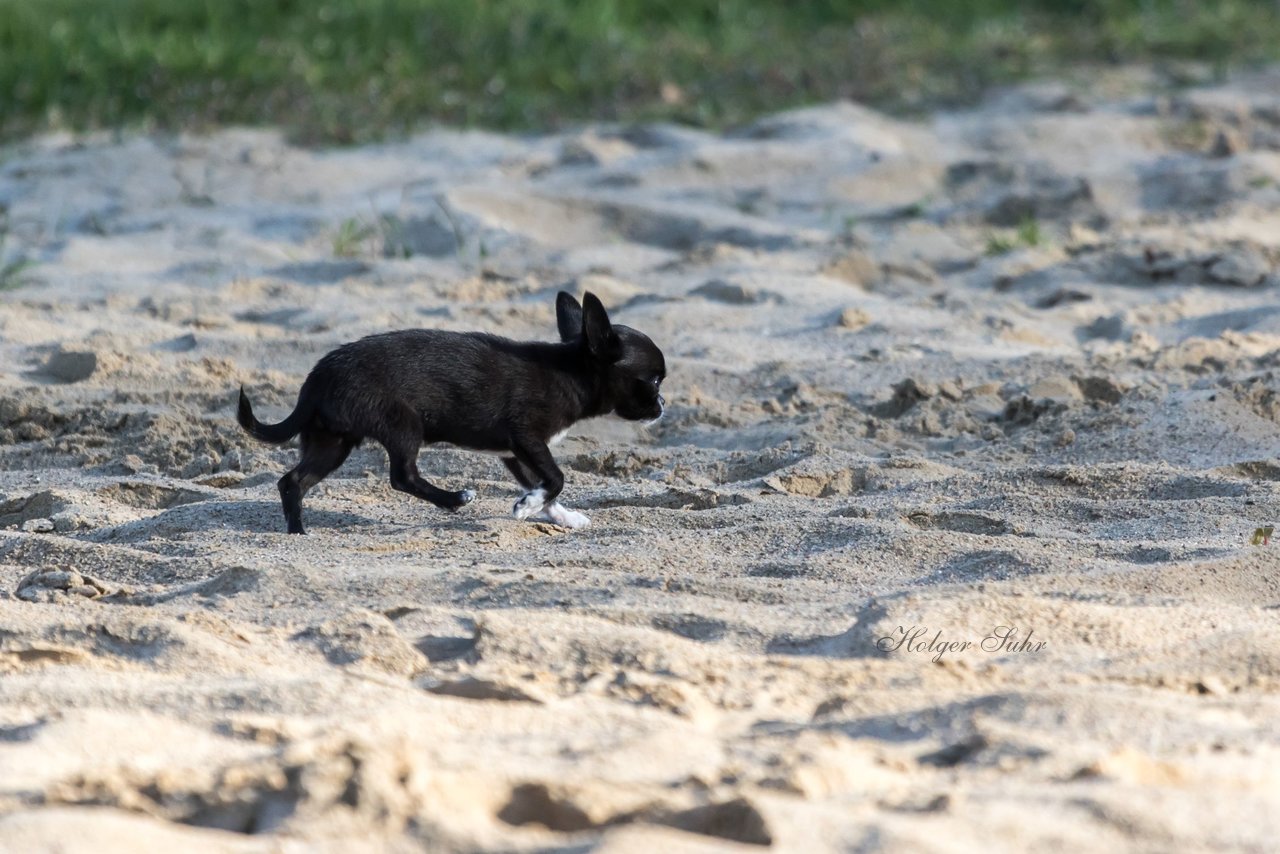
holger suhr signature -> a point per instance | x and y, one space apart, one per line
920 639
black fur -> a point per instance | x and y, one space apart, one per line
469 389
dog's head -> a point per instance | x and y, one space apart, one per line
631 365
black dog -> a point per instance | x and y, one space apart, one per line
468 389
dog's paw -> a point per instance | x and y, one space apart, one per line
530 504
452 501
564 517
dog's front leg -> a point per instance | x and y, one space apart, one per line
558 514
534 457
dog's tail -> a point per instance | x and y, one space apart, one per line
274 433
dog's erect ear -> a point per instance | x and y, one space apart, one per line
568 316
602 341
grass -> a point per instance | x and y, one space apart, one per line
1026 235
13 274
14 271
353 70
14 267
1029 233
351 237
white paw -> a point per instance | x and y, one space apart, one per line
560 515
530 504
468 495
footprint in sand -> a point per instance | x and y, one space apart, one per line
365 640
563 811
51 584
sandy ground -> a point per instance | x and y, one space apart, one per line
1009 367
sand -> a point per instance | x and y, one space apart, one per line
1012 366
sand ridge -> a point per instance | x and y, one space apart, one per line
1013 366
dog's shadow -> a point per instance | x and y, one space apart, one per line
264 517
249 517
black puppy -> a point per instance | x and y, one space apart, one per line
470 389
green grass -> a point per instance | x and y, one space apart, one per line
1026 235
353 70
13 274
13 270
1029 233
14 266
350 238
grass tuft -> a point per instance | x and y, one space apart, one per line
13 273
1026 235
350 236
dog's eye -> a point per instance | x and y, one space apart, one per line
656 380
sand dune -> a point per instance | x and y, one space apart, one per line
945 538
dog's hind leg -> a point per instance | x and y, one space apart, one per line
406 478
322 453
402 439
